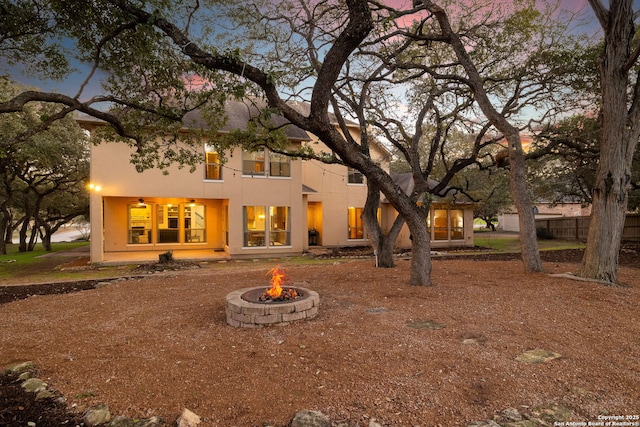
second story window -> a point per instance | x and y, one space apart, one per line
253 163
279 165
355 176
213 167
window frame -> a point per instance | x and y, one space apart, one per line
265 236
169 234
140 235
166 224
256 234
356 228
214 167
253 158
452 231
282 160
274 233
354 176
188 231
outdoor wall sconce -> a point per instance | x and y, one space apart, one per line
95 187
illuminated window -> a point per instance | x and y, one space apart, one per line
447 224
440 225
253 163
174 223
140 223
254 226
279 234
356 229
168 223
279 165
457 224
194 224
213 166
256 223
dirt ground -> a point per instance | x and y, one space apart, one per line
158 344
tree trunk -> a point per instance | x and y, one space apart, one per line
383 244
22 245
619 138
600 260
46 242
384 253
530 254
8 233
420 246
33 238
380 242
4 227
45 237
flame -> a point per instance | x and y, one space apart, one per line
278 277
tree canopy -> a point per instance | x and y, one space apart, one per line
42 177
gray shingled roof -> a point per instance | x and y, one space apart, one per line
239 113
405 181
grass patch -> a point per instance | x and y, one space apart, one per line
33 267
497 244
19 264
15 260
12 250
512 244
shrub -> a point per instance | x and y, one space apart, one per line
165 258
543 233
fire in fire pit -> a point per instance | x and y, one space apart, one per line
277 291
279 305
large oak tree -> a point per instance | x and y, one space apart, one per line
620 115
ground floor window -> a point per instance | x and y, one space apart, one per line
457 224
280 234
166 223
257 222
356 228
448 224
140 224
168 228
194 223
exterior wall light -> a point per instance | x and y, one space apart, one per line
94 187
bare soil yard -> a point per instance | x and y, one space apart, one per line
158 344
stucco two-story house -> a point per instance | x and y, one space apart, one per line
256 204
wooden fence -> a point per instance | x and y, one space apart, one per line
577 227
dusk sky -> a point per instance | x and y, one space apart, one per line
71 85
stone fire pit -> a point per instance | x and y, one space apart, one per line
245 309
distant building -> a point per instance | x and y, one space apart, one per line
508 220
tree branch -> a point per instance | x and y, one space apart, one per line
601 12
